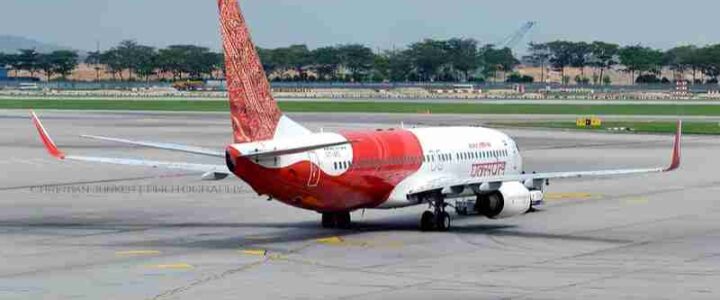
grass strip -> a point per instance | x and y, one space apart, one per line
705 128
374 107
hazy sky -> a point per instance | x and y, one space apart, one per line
377 23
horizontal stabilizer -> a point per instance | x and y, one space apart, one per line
163 146
279 147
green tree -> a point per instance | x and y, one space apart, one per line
581 55
562 55
171 60
428 57
683 58
539 56
380 68
295 57
603 56
639 60
498 60
127 52
64 62
27 60
709 58
4 60
145 62
113 62
678 58
326 61
267 58
358 59
61 62
218 63
400 65
46 65
94 59
463 56
11 61
187 59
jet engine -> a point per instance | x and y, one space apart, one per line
512 199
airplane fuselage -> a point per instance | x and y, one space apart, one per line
376 169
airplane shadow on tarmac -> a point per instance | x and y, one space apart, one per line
266 233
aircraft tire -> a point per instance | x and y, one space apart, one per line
427 221
328 220
443 221
343 220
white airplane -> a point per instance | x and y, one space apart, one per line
337 173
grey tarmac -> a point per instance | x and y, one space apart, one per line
86 231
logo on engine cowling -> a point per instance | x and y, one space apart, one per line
488 169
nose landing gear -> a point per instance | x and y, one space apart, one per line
339 220
437 219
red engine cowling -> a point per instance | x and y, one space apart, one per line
512 199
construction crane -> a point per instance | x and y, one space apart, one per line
513 40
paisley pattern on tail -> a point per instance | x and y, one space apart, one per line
254 112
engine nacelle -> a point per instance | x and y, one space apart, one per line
512 199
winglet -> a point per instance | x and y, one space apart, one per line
675 164
50 146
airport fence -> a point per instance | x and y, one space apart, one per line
220 86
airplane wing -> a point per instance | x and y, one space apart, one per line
448 185
212 172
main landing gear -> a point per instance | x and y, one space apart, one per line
339 220
436 219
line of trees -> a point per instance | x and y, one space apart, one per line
428 60
57 62
127 61
643 64
144 62
451 60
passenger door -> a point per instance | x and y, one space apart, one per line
314 178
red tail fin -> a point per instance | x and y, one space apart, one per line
255 114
